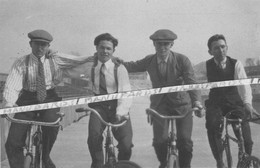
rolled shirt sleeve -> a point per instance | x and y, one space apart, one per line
14 84
124 105
245 91
66 61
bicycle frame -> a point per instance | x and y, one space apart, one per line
33 147
242 155
110 157
172 154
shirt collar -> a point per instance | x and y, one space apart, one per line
36 58
159 60
108 64
222 62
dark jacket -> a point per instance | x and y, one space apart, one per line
179 71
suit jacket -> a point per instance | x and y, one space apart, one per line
179 71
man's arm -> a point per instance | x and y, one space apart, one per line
138 66
73 66
245 91
13 84
80 71
124 105
66 61
189 78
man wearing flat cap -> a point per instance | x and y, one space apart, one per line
168 68
32 80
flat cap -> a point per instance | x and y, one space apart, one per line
163 35
40 35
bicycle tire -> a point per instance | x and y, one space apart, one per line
27 161
227 157
127 164
249 162
38 156
173 162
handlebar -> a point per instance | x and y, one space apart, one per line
40 123
150 111
87 110
229 116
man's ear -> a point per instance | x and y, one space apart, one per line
210 52
172 44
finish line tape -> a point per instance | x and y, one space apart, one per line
129 94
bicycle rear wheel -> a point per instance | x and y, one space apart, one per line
126 164
249 162
227 157
173 161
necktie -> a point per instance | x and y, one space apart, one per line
102 80
162 68
40 82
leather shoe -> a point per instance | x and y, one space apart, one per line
48 164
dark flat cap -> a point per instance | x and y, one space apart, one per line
163 35
40 35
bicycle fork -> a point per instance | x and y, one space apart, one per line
33 147
37 145
173 158
110 150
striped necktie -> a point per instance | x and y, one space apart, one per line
40 82
102 80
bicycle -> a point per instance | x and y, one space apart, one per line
33 145
244 160
111 160
172 151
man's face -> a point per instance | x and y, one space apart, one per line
39 48
219 50
162 48
105 50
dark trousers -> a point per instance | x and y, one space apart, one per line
214 120
123 134
184 131
17 132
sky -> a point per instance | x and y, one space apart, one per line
75 23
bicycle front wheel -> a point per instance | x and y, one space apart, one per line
249 162
27 161
173 162
227 157
126 164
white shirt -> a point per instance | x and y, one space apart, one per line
14 83
244 91
123 105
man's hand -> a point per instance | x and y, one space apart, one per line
250 111
117 60
120 118
50 52
201 111
149 119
